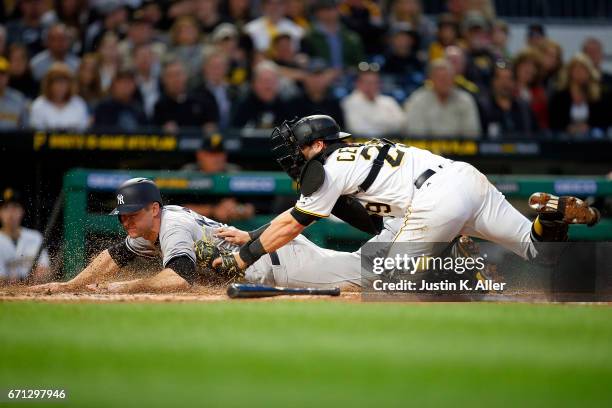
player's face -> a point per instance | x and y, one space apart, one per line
312 150
139 223
11 215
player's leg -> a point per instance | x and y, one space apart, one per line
301 263
493 218
438 211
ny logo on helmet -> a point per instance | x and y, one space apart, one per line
119 198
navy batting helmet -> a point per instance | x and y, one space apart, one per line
135 194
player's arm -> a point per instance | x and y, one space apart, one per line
165 281
103 266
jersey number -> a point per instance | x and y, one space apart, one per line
393 161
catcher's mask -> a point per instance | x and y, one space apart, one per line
286 150
290 136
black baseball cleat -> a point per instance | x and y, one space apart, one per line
570 210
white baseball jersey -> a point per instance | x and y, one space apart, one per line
391 192
16 258
456 198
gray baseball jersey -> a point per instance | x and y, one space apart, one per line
180 228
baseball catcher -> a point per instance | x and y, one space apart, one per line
424 198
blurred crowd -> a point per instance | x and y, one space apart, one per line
379 67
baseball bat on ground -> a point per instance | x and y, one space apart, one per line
248 290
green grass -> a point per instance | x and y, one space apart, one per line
310 354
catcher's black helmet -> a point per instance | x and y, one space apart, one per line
134 194
290 136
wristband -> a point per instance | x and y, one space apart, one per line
251 252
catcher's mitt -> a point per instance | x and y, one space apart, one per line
205 252
229 266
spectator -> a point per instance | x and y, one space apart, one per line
484 7
447 35
58 107
317 97
13 105
114 20
89 84
503 114
238 12
366 111
499 40
262 108
20 76
177 110
528 75
480 59
365 18
290 64
28 30
536 35
3 41
211 158
593 48
110 60
441 109
410 12
329 39
185 44
215 90
263 29
457 10
401 60
140 32
121 111
208 15
456 56
19 245
552 62
147 78
152 12
576 107
227 39
57 51
296 12
74 14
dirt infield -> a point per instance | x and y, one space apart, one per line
197 294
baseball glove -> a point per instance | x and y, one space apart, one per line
205 252
229 267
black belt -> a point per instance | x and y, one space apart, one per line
274 258
424 177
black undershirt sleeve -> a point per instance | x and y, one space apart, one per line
353 213
184 267
121 254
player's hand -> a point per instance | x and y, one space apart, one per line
233 235
107 287
230 265
50 288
